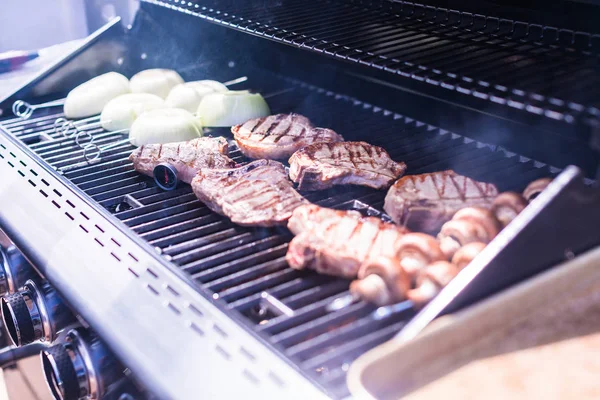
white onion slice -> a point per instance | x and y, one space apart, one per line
188 95
231 108
165 125
122 111
156 81
90 97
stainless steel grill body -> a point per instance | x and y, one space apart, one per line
163 280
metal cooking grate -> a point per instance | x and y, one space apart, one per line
542 70
245 267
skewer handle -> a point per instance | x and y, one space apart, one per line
24 109
236 81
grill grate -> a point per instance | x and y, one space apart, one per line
542 70
245 267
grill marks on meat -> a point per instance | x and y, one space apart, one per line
186 157
279 136
322 165
336 242
256 194
424 202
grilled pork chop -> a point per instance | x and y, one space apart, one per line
336 242
256 194
424 202
322 165
278 136
186 157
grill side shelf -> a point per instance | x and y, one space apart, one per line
173 339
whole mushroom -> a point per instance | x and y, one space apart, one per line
470 224
507 206
382 281
417 250
466 254
535 188
431 280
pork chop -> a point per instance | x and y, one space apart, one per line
186 157
322 165
337 242
256 194
278 136
424 202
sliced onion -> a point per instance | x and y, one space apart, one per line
231 108
188 95
90 97
156 81
165 125
122 111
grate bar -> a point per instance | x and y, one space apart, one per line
467 54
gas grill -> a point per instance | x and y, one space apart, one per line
195 306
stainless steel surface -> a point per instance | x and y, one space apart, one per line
96 370
25 110
14 270
46 312
141 308
166 282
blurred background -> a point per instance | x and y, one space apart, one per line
56 21
44 31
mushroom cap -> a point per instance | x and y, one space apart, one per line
372 289
431 280
466 254
535 188
471 226
397 280
483 216
416 250
439 272
507 206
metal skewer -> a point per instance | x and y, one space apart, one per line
236 81
278 93
60 123
81 135
64 126
24 110
92 152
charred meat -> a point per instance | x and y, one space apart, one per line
424 202
256 194
278 136
186 157
322 165
338 242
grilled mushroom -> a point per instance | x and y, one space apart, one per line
466 254
417 250
535 188
507 206
431 280
381 281
470 224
